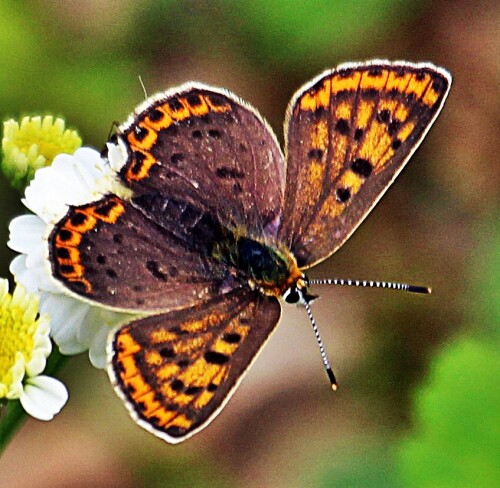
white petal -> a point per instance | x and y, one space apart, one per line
70 180
43 196
43 397
17 371
23 275
26 233
4 288
97 350
117 155
66 314
42 348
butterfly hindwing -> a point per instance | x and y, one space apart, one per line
175 371
110 252
349 133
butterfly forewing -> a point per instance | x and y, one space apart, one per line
175 371
209 148
349 133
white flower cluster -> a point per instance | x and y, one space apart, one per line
76 325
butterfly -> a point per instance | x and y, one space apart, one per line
219 225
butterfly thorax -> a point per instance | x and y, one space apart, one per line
267 268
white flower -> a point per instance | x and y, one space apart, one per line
76 325
24 348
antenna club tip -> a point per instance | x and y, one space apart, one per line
426 290
331 377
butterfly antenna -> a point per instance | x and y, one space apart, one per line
143 86
324 357
373 284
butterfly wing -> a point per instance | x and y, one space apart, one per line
207 147
349 133
111 252
177 370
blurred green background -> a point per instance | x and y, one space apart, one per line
418 398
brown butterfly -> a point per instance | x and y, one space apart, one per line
220 224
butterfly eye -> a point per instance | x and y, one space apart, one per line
292 295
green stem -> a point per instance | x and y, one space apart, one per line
12 414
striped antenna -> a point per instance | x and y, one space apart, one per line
372 284
324 357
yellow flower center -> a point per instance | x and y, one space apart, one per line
49 136
18 328
32 144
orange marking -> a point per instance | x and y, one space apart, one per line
201 372
383 160
78 272
224 347
220 377
165 416
351 180
74 240
194 325
398 83
187 347
126 344
129 366
315 174
369 81
203 399
319 137
147 142
177 397
181 421
203 324
151 405
86 219
406 130
331 208
350 83
431 97
74 255
138 386
167 371
376 143
147 162
162 335
240 329
178 114
160 123
364 113
317 97
116 208
340 146
313 182
153 358
401 113
217 108
88 223
344 111
198 110
390 105
417 87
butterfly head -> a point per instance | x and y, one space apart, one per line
298 294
